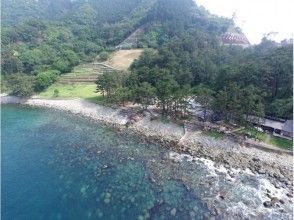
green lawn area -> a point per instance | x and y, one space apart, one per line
77 90
214 134
267 138
281 142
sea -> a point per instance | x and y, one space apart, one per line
55 165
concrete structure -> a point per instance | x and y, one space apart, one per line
287 129
279 128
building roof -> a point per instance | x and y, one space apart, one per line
266 122
235 38
273 124
288 126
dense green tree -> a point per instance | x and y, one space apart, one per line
165 89
193 60
62 65
180 100
280 65
10 63
31 59
204 96
107 83
71 57
144 94
228 103
251 102
21 85
282 108
122 95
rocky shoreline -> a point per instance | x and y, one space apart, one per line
276 167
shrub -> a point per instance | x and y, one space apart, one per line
45 79
56 93
103 56
62 65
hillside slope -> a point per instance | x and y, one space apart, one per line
53 37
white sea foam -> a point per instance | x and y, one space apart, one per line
209 164
274 192
261 192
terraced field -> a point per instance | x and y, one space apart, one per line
80 83
85 73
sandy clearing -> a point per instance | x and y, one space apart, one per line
122 59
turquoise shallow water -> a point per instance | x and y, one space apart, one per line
58 166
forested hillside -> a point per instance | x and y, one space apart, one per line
232 81
84 27
43 39
16 11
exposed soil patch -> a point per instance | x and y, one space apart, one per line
122 59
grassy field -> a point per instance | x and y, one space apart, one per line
282 143
78 90
214 134
268 138
122 59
